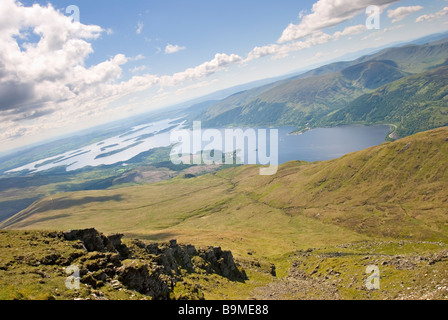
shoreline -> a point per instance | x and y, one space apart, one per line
393 129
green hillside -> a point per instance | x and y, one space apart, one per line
299 101
395 190
311 99
415 103
414 58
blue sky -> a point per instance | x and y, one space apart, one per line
129 57
204 27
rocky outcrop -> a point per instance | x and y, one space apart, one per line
138 275
151 269
222 263
174 258
95 241
91 239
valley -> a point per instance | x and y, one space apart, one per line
362 182
383 199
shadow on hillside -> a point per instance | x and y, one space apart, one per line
49 204
162 236
29 181
9 208
46 219
65 203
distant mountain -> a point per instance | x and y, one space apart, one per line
304 100
431 38
414 58
235 100
298 101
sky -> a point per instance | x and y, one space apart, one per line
70 65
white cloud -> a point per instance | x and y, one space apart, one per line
170 49
317 38
278 51
433 16
40 69
402 12
259 52
137 57
327 13
219 62
140 26
352 30
198 85
138 69
45 83
302 14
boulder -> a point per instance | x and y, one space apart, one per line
174 257
92 239
95 241
137 275
222 263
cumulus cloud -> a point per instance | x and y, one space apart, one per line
433 16
26 67
44 77
352 30
259 52
137 57
327 13
219 62
170 49
402 12
138 69
139 29
278 51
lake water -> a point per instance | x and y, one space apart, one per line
314 145
328 143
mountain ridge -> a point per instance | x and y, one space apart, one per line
414 103
302 100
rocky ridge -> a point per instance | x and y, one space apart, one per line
152 269
108 266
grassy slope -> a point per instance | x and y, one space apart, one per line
415 103
414 58
396 190
299 101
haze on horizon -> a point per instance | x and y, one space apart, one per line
122 59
